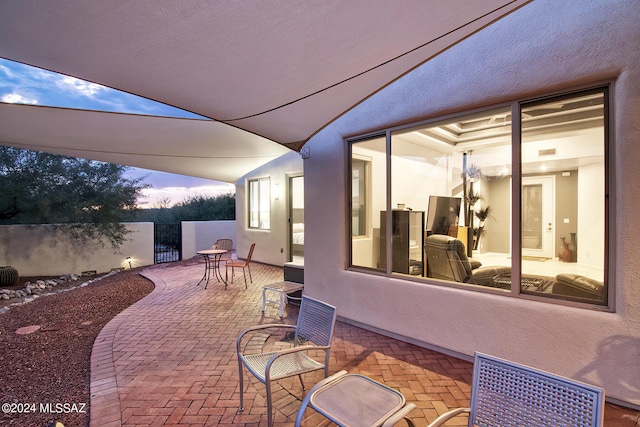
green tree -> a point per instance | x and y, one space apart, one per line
200 208
85 199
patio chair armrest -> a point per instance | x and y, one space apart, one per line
447 416
289 351
260 327
402 413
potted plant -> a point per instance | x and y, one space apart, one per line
470 174
482 214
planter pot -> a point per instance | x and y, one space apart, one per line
8 276
564 253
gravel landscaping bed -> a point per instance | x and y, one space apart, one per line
45 367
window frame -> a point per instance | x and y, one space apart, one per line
366 187
261 184
607 88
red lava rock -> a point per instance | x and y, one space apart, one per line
54 367
27 329
49 328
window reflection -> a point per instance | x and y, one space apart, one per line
452 182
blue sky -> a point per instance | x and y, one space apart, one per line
23 84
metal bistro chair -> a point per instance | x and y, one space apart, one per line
226 244
241 264
505 394
313 332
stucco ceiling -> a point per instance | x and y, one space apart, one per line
270 73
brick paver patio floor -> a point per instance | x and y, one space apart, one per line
169 360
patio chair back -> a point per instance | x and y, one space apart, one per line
507 394
253 246
316 321
226 244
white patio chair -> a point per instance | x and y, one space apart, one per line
505 394
314 328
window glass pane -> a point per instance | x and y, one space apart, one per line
368 199
451 194
359 187
265 204
254 205
563 197
454 177
259 203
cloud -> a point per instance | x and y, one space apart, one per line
16 98
7 71
58 90
79 86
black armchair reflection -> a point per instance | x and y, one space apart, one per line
447 260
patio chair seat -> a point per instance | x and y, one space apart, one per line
282 367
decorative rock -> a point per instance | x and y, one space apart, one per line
31 291
27 329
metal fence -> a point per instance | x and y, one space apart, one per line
167 242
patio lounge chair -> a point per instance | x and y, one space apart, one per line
504 393
313 332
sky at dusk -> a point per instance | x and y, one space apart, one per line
23 84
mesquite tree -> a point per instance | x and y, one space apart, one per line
85 199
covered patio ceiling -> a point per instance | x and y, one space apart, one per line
269 74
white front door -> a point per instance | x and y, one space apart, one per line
538 209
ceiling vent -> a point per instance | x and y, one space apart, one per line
547 152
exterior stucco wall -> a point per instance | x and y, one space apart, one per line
543 48
34 251
197 235
272 245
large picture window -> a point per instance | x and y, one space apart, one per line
447 214
259 204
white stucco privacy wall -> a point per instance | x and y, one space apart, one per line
544 48
35 251
197 235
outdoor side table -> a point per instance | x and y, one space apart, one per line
281 289
351 400
212 264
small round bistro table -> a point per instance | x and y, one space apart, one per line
212 262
